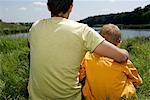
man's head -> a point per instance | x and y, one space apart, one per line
59 8
111 33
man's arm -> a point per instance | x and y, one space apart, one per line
107 49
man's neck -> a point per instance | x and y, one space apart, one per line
61 15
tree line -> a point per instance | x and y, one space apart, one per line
13 28
137 17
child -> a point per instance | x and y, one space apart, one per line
105 78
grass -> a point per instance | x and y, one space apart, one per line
14 66
139 49
4 25
13 28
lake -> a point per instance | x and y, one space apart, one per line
131 33
126 33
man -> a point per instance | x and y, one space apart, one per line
58 46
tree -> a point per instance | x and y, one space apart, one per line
138 16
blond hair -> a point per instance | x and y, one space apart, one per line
111 33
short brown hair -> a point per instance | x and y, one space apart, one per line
59 6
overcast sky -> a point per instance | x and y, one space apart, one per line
32 10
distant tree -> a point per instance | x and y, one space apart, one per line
146 8
147 17
138 9
138 16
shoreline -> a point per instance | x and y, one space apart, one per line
130 26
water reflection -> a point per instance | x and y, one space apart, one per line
131 33
126 33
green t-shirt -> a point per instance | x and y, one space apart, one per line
57 48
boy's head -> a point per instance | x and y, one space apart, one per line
111 33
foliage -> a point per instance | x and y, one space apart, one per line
14 69
13 28
131 26
14 66
139 49
138 16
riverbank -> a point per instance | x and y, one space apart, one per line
126 33
137 26
14 66
16 28
129 26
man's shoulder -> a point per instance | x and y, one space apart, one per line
37 23
75 23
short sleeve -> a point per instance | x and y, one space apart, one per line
91 38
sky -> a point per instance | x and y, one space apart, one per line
32 10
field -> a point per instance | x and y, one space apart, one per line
139 49
14 69
13 28
14 66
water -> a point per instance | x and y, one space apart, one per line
126 33
131 33
19 35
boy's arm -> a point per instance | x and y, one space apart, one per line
135 73
107 49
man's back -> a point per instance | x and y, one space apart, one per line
57 49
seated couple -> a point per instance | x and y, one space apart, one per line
106 79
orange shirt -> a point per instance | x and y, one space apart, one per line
107 79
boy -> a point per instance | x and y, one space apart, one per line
105 78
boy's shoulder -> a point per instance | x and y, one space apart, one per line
129 64
96 57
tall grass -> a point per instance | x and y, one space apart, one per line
14 69
14 66
139 49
